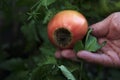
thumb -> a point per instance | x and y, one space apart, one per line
100 29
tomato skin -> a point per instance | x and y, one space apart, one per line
71 20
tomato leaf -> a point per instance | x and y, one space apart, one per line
14 65
49 14
67 73
78 46
47 2
90 43
21 75
47 72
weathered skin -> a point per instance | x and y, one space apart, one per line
105 30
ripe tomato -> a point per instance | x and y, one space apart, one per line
66 28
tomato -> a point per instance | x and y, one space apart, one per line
66 28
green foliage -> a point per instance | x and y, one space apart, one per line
22 75
89 43
34 58
67 73
13 65
79 46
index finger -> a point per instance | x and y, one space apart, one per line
101 28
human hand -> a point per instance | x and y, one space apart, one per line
107 30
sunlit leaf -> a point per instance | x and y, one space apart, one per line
67 73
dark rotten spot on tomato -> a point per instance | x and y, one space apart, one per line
62 37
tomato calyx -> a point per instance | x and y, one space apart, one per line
62 37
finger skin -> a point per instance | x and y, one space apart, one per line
97 58
114 27
102 28
111 50
58 54
69 54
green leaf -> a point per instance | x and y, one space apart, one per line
71 65
79 46
22 75
66 73
69 5
49 14
13 65
29 31
30 34
48 60
43 33
47 72
45 57
91 43
47 2
47 50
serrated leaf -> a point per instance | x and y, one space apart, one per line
66 73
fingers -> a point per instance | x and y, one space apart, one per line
112 51
58 54
108 59
102 59
114 27
67 54
100 29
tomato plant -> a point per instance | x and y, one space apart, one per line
66 28
25 50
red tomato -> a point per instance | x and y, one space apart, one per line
66 28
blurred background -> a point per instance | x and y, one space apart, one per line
25 51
